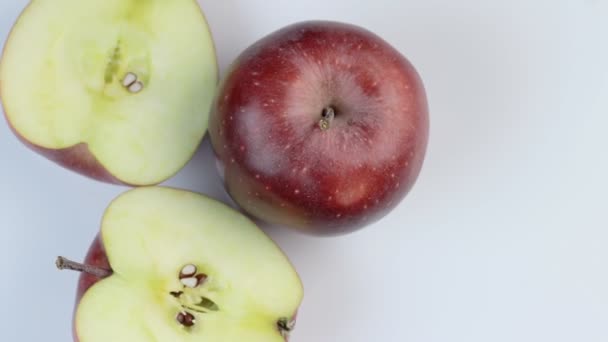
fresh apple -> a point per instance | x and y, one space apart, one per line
321 126
172 265
118 90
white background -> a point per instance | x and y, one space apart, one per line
504 237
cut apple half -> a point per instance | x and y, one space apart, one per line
185 267
119 90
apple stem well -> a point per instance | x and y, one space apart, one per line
327 116
66 264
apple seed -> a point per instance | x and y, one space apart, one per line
200 278
129 79
186 319
187 271
191 282
136 87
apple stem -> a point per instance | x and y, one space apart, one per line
327 116
66 264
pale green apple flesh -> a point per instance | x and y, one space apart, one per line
131 79
154 238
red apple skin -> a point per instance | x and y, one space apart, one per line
281 167
96 256
77 158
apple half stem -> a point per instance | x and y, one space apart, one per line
66 264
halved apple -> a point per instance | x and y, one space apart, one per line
172 265
118 90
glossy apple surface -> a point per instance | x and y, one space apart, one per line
242 287
284 161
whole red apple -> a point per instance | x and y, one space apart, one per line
321 126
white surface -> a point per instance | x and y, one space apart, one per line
503 238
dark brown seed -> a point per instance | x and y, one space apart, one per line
201 278
186 319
